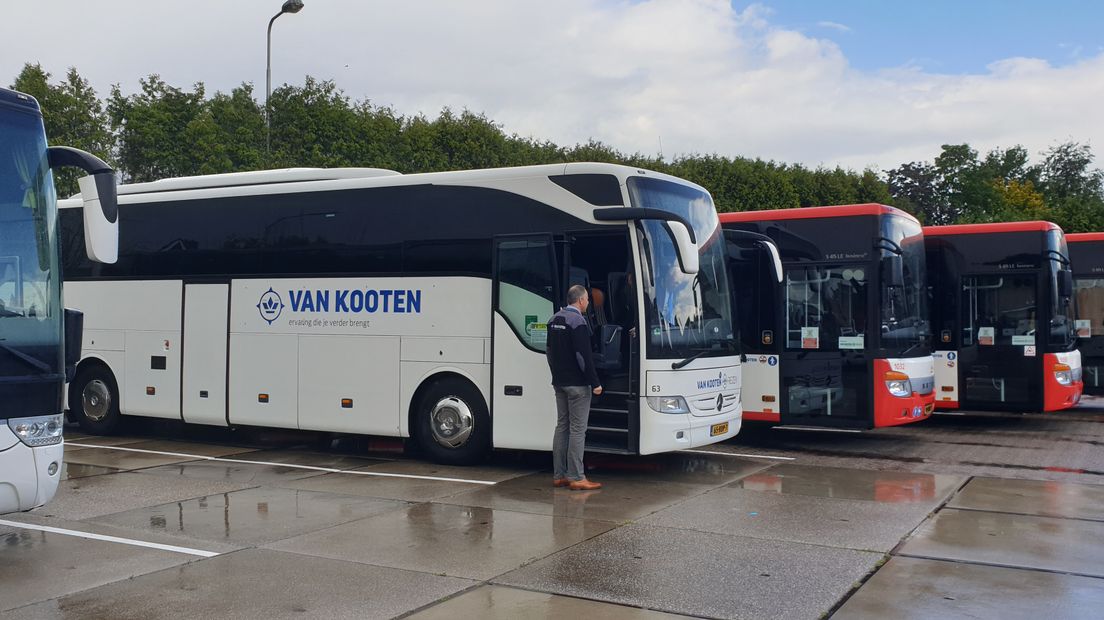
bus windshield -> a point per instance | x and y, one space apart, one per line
684 314
1063 336
30 289
905 326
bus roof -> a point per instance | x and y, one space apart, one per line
295 180
1076 237
993 227
802 213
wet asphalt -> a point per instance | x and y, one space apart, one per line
977 516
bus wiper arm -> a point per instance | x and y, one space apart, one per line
23 357
693 357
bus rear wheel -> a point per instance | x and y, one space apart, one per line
451 424
94 400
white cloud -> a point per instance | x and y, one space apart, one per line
706 77
835 26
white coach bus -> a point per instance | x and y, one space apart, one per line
366 301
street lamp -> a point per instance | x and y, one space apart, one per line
290 6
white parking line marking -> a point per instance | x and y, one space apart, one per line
115 539
330 470
750 456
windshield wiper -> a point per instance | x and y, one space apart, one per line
699 353
23 357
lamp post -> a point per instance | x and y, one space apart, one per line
290 6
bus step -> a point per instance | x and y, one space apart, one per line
606 429
608 449
609 410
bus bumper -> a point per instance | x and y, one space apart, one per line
890 410
666 432
1058 396
25 478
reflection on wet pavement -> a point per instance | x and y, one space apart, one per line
251 516
1068 545
501 603
880 486
1035 497
76 470
240 473
910 588
707 470
851 524
460 541
619 500
120 459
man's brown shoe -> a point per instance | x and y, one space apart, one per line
584 485
560 482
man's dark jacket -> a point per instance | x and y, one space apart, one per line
569 355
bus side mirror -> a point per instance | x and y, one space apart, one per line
776 259
101 203
685 247
1065 283
893 271
74 327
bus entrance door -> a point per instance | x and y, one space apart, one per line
206 324
998 351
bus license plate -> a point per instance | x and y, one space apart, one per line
928 408
718 429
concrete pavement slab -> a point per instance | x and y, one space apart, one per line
102 529
486 473
1068 545
502 603
36 566
892 487
850 524
1034 497
460 541
120 459
620 499
910 588
251 516
84 498
247 474
98 440
701 574
256 583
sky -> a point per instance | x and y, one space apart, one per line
854 83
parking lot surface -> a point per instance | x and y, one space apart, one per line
961 516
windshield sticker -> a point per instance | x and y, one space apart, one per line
1020 341
852 342
810 337
1083 327
1029 351
986 335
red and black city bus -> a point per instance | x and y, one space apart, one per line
1087 255
1002 311
844 342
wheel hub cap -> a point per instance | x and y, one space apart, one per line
96 400
451 422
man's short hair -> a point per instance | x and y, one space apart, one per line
575 293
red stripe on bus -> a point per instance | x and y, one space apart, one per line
802 213
1075 237
995 227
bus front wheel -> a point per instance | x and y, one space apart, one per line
451 423
94 400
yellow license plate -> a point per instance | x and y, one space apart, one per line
718 429
928 408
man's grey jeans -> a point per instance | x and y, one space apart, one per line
572 412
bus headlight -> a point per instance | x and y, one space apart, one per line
668 404
898 384
1063 374
38 431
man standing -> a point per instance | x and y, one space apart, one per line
575 381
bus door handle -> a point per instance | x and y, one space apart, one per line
513 390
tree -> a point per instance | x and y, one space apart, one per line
73 116
153 130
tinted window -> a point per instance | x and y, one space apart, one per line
526 288
998 310
826 307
